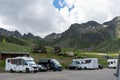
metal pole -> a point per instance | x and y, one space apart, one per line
118 68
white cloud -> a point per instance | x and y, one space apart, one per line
69 3
98 10
38 17
41 18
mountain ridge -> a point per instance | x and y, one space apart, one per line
17 34
86 36
89 35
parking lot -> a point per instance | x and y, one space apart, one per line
105 74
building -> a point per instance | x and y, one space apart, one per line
4 55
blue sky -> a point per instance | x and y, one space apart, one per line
61 4
57 5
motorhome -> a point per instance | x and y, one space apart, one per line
112 63
50 64
86 63
21 64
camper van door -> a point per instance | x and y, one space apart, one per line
21 65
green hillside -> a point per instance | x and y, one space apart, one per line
110 46
14 47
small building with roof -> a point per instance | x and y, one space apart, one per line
4 55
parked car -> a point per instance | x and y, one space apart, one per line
41 68
50 64
71 67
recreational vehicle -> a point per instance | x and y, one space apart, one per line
112 63
86 63
21 64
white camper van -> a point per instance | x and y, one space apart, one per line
112 63
86 63
21 64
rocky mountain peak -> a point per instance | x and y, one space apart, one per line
10 33
28 36
90 24
113 21
52 36
116 19
17 34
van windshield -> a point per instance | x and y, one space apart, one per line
55 61
31 62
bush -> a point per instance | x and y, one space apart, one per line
2 65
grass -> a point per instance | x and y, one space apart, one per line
112 45
9 47
2 65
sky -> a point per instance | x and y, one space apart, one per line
42 17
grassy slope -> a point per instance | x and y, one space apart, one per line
14 47
109 46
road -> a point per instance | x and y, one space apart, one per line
105 74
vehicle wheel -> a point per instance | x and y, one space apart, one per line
75 68
85 68
100 67
60 70
20 71
39 70
11 70
54 69
69 68
27 70
35 71
114 67
80 68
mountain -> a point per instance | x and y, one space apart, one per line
16 37
17 34
52 37
89 36
85 35
30 36
114 26
10 33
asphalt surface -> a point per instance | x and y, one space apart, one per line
105 74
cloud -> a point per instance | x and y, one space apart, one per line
86 10
41 17
36 16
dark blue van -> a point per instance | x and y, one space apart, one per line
50 64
